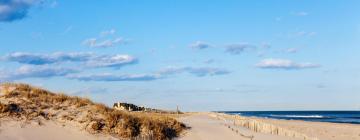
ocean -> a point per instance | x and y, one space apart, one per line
352 117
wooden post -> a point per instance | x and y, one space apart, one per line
177 109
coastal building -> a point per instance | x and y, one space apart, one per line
131 107
128 107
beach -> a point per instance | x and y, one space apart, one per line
214 126
20 130
201 126
179 70
30 113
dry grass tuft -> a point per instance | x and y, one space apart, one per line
23 101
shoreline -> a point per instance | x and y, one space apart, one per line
327 116
276 129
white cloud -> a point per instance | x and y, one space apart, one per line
304 33
172 70
43 71
42 66
238 48
86 58
28 71
207 71
113 77
284 64
11 10
104 41
94 42
41 59
197 71
47 71
199 45
111 61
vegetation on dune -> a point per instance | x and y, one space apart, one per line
22 101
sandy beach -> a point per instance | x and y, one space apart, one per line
202 126
179 70
16 130
205 127
213 126
29 113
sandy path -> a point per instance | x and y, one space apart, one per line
205 127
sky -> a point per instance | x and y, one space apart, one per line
198 55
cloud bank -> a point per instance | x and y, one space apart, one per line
41 59
28 71
164 73
197 71
113 77
115 61
89 59
284 64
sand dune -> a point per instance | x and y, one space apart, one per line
41 115
48 130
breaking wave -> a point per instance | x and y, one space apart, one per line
299 116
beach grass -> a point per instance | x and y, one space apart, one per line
25 102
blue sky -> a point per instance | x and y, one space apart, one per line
200 55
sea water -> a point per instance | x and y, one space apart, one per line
316 116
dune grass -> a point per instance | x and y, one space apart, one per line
26 102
